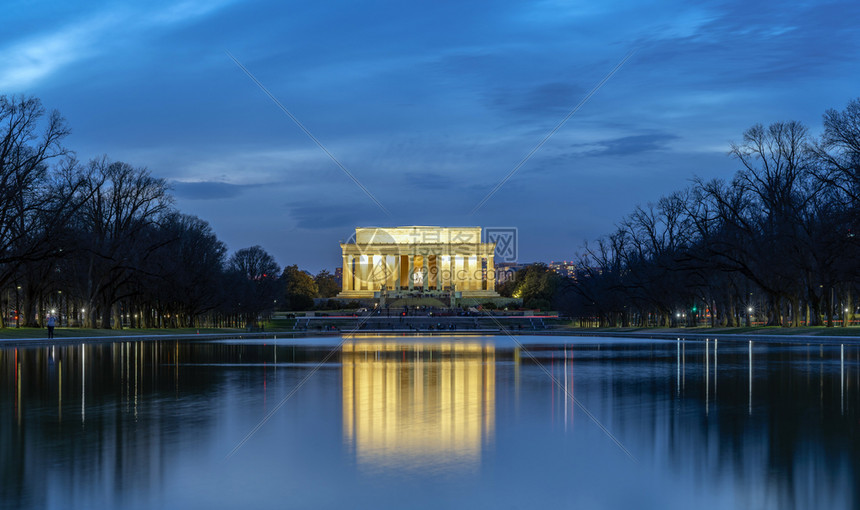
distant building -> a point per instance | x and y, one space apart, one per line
565 268
507 271
338 276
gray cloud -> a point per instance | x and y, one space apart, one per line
630 145
332 215
429 180
552 97
207 190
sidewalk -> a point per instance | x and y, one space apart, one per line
766 335
792 337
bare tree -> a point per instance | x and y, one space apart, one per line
254 280
114 227
839 150
182 279
30 139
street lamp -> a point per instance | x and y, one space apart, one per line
18 307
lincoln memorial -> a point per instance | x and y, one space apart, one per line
408 261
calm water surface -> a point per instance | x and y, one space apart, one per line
464 422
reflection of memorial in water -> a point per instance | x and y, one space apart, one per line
418 405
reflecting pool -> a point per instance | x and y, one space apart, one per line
441 422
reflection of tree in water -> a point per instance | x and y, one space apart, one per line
144 405
795 449
149 404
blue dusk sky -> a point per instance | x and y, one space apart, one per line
428 104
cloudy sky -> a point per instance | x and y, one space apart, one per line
427 104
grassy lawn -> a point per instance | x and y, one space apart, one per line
849 331
276 324
273 325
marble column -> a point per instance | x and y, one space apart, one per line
474 273
361 282
390 271
491 273
375 272
346 274
410 274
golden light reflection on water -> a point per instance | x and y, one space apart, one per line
421 406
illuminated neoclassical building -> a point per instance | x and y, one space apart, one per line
403 261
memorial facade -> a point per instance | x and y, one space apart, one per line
419 260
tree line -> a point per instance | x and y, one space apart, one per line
100 243
777 244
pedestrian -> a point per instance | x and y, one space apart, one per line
51 323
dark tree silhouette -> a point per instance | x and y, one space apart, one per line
253 275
